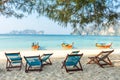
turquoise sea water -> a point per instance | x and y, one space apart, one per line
10 41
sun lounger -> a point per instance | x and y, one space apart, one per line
46 58
102 58
72 62
33 63
14 60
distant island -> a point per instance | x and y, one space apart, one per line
27 31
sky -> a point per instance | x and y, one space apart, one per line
32 22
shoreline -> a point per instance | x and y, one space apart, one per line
56 53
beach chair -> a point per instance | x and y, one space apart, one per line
75 52
102 58
46 59
33 63
14 60
72 62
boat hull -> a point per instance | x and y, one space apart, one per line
66 46
103 46
35 47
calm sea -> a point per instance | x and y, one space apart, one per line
16 42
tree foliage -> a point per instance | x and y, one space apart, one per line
77 13
83 12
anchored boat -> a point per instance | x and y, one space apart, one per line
67 46
103 45
35 46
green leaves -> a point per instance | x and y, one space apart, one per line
77 13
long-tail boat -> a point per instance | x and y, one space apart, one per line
35 46
103 45
67 46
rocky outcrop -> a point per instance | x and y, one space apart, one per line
27 31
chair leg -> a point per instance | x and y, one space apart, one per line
63 65
66 69
7 66
20 66
50 62
26 70
40 68
80 66
110 61
97 62
91 60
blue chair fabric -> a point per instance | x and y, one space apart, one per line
14 60
46 58
33 63
74 61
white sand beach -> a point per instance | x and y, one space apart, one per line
54 71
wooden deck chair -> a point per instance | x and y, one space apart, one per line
46 59
72 62
33 63
75 52
14 60
101 59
